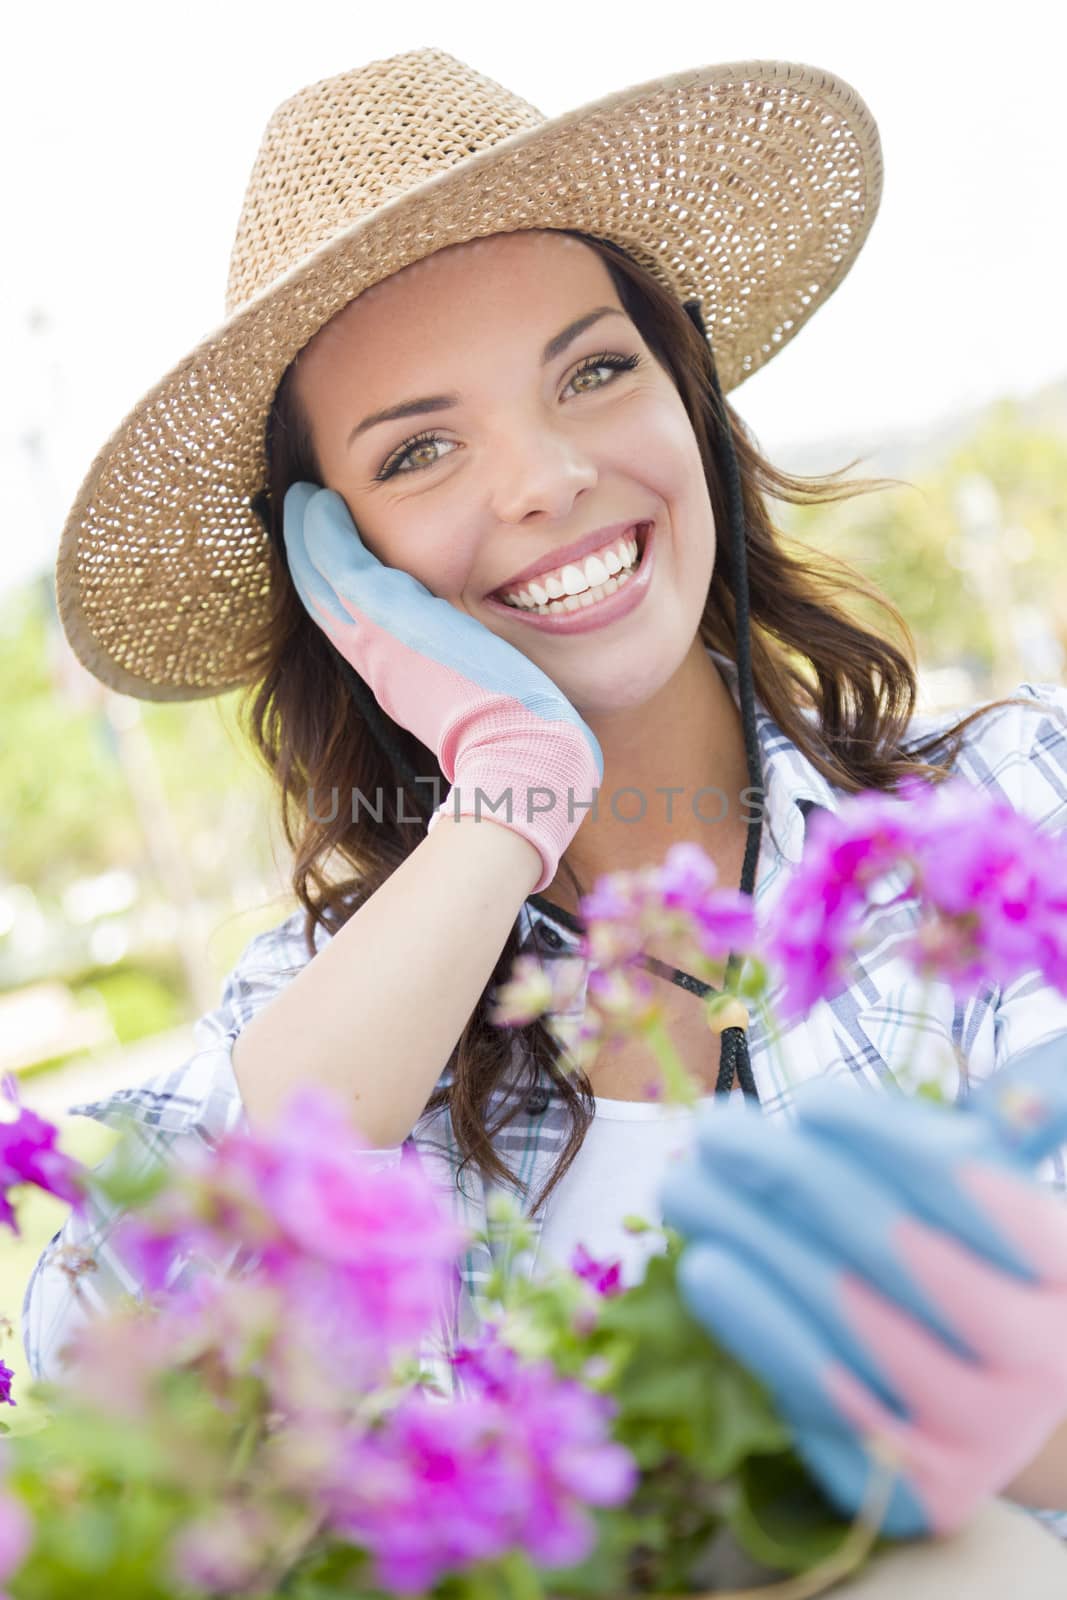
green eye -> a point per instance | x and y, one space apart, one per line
394 466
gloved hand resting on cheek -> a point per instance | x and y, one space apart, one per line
494 719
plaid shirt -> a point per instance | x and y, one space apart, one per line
872 1035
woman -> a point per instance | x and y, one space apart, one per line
398 628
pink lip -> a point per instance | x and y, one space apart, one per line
570 552
602 612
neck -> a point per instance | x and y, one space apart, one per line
674 773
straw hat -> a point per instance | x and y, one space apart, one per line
749 187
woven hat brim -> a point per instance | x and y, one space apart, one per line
748 186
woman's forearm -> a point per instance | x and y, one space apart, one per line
376 1014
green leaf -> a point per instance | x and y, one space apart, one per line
679 1388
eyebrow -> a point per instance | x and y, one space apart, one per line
444 402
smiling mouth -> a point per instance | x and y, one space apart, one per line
589 594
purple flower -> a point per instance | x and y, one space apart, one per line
363 1254
28 1154
512 1464
677 900
992 891
616 916
725 923
438 1487
487 1363
686 876
604 1276
723 919
6 1375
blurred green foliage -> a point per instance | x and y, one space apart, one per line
65 806
139 1002
909 540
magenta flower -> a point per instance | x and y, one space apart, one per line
606 1277
679 898
28 1154
512 1464
435 1489
991 887
617 915
363 1255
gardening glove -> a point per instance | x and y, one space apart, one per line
890 1269
495 720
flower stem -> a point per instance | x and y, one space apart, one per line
679 1085
244 1448
520 1577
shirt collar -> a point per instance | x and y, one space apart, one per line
793 786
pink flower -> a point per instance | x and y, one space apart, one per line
616 916
223 1549
28 1154
604 1276
677 899
686 876
513 1463
435 1489
362 1253
16 1535
725 924
723 919
114 1363
991 887
528 994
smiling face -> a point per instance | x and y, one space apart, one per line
542 446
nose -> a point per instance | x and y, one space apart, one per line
539 475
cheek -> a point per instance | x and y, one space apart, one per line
429 553
657 441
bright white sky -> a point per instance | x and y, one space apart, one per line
130 130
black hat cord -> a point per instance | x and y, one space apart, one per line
733 1049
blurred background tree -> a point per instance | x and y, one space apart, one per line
971 551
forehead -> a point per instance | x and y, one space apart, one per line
529 273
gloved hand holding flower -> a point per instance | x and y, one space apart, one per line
890 1268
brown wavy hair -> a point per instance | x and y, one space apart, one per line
807 653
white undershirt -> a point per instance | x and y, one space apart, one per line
616 1173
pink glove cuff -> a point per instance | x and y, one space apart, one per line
547 814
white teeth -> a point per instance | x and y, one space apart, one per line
598 575
578 602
